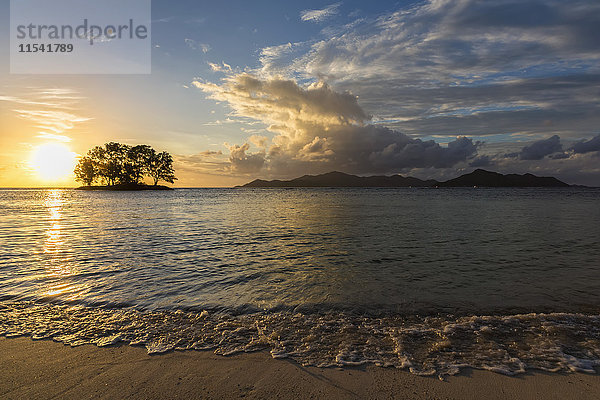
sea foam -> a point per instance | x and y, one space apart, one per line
433 345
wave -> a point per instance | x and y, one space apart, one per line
430 345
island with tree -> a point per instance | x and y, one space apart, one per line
116 166
477 178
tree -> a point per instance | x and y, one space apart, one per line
116 157
115 163
108 161
98 157
137 163
85 171
160 167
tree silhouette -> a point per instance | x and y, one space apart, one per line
137 163
160 167
115 163
85 171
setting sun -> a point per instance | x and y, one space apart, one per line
53 161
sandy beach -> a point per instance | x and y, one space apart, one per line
47 369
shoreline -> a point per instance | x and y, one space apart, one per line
46 369
124 187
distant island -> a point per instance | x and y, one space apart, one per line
477 178
118 166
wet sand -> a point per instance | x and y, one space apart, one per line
47 369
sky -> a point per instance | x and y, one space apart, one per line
263 89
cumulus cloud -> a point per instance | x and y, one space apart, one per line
321 14
318 129
245 163
259 141
541 148
587 146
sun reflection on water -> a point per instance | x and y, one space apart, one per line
54 202
57 256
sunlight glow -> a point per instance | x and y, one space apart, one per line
53 161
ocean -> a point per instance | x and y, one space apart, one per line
431 280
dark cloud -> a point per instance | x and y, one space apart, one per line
587 146
555 105
541 148
373 149
583 169
209 153
481 161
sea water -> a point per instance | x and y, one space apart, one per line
426 279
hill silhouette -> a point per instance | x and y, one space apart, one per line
479 177
483 178
340 179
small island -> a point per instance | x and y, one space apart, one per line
115 166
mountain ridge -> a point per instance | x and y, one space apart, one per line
479 178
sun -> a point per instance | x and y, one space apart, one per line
53 161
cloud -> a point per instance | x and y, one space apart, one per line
209 153
587 146
52 136
18 100
258 141
55 121
50 111
581 169
541 148
221 122
279 57
245 163
195 45
502 72
320 15
481 161
284 105
220 67
318 129
463 67
163 20
560 156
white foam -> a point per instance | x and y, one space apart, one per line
439 345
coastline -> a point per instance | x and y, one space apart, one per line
47 369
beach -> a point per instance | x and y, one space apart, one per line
46 369
300 200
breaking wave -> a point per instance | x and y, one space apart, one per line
441 344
